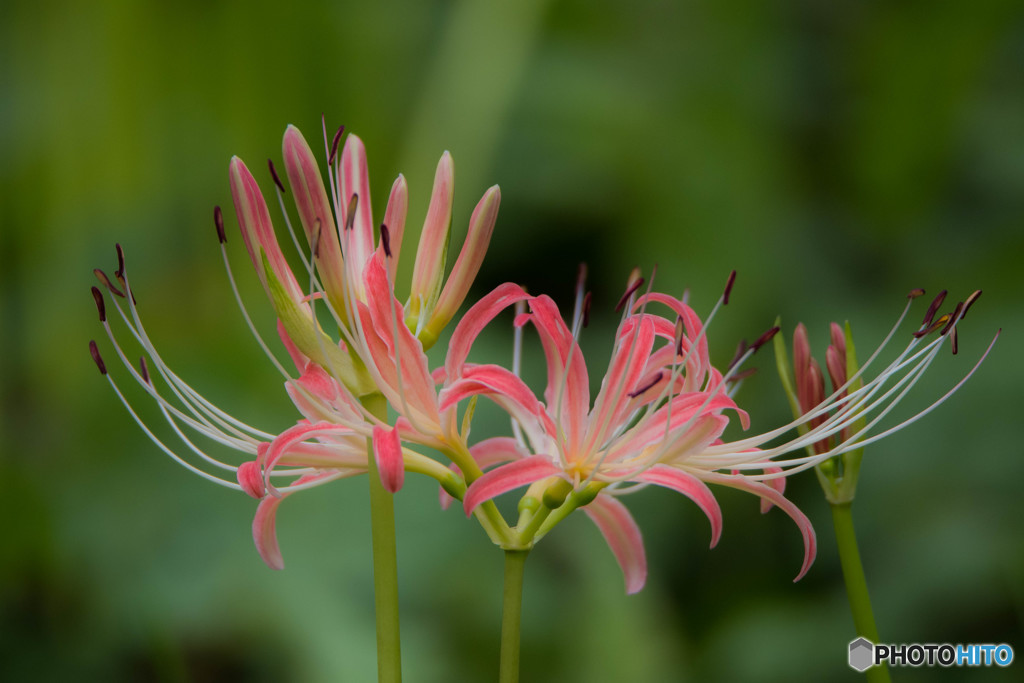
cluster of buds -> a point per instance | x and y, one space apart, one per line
839 419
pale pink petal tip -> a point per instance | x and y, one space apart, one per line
691 487
250 479
264 532
387 450
621 532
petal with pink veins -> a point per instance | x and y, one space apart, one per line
765 491
474 321
387 451
264 531
250 480
691 487
354 180
508 477
405 352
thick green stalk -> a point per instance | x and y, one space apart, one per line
385 560
856 584
511 615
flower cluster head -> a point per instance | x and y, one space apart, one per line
661 412
380 345
658 418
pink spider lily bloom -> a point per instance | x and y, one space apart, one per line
659 417
350 272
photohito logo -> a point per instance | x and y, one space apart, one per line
864 654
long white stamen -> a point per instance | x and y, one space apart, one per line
174 456
200 408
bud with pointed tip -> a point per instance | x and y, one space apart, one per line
316 216
258 230
354 181
394 218
481 227
431 255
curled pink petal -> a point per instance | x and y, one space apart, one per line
508 477
474 321
250 479
496 450
489 379
691 487
623 536
779 484
264 532
387 450
787 506
264 529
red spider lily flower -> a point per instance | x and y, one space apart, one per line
658 419
380 349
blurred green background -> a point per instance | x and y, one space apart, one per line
836 154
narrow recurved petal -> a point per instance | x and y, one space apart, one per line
258 230
428 272
481 226
394 218
315 213
622 534
507 477
354 181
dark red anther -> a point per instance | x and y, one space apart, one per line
273 174
637 284
334 145
952 341
741 349
119 274
975 295
218 221
954 316
100 305
144 370
654 380
941 322
764 339
933 308
740 376
586 309
914 293
678 336
350 219
105 281
385 239
728 288
96 357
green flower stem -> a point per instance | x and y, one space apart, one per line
511 615
487 513
856 584
385 560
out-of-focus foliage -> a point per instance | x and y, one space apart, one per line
836 154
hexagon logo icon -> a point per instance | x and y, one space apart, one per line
862 654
